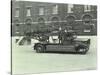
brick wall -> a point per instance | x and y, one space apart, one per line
78 13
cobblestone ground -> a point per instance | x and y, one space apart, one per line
26 60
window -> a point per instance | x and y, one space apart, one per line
17 28
70 8
41 21
87 30
17 12
55 9
54 40
41 11
87 8
55 21
28 12
87 19
28 21
87 22
70 20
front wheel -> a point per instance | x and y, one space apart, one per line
39 48
82 49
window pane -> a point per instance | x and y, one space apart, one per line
70 7
41 11
87 8
17 28
28 12
55 9
17 13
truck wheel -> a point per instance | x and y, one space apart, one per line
82 49
39 48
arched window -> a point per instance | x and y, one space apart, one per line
55 21
86 19
41 21
16 21
70 20
28 21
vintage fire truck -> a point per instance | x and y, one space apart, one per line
62 41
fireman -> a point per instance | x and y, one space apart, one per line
60 36
68 37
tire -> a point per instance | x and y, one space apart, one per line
39 48
82 49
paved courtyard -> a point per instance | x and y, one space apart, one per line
25 60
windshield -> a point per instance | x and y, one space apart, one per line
54 39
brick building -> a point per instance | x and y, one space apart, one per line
39 16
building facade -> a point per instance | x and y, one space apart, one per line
40 16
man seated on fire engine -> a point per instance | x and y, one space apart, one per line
68 37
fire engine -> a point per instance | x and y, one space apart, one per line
62 41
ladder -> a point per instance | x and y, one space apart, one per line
21 40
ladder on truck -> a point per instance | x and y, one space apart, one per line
21 40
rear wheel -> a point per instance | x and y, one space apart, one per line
39 48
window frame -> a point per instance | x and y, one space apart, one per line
87 8
55 9
17 12
70 8
41 10
28 11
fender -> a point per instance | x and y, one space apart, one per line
39 44
36 45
